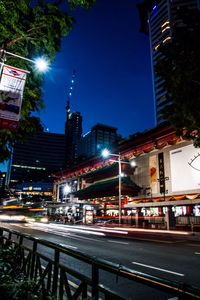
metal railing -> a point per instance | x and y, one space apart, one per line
56 277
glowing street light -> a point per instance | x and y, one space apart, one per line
41 64
106 153
133 163
67 189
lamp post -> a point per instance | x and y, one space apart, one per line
106 153
40 63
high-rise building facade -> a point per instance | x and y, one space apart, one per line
73 133
157 19
37 158
99 137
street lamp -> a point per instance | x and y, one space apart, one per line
67 189
40 63
106 153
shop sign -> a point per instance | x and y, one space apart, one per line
12 84
161 172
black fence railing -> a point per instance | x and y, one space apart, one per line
57 270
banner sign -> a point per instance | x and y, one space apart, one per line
11 93
161 172
153 174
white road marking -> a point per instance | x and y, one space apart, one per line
198 253
85 238
117 242
159 269
68 246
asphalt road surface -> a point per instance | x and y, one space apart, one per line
173 259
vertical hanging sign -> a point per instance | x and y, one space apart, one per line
161 172
12 84
153 174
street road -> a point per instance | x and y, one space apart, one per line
175 259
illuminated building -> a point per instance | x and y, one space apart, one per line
163 189
99 137
37 157
73 129
73 133
157 18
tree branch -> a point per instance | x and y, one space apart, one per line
19 38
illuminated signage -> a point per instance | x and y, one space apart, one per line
161 172
31 188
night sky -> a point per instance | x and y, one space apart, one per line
113 82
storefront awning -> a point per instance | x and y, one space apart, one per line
109 188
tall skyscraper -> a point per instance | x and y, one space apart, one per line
73 129
73 133
157 19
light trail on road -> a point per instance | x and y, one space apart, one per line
172 232
82 229
170 258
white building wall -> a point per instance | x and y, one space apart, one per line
182 172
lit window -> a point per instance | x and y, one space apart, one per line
166 28
164 24
167 39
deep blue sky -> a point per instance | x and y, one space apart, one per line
113 82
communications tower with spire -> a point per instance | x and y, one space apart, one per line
73 128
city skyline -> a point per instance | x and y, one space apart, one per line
113 83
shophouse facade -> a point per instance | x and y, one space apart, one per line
162 190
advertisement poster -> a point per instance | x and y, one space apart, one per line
153 174
11 92
185 168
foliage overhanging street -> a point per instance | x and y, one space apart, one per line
31 31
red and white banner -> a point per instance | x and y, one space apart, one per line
11 93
